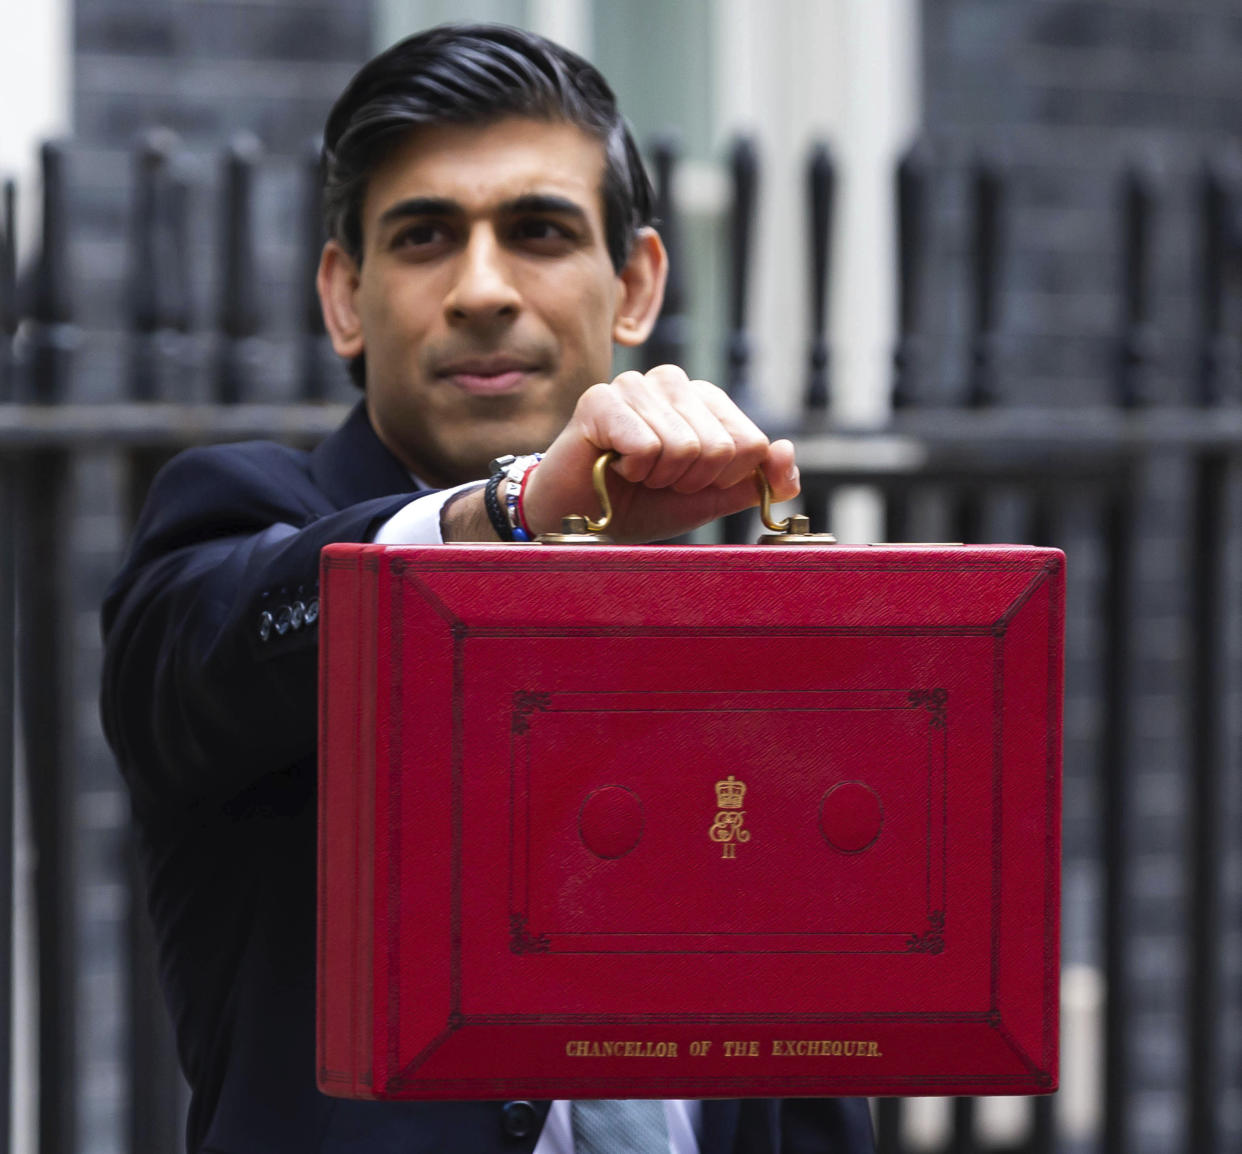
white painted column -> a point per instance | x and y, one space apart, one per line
35 98
568 22
792 71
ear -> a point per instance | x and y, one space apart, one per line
641 289
337 282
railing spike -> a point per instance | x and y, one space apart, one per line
913 186
987 267
239 290
821 202
744 180
669 340
1140 193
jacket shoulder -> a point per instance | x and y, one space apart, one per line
223 490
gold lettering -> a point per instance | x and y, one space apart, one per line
815 1048
581 1048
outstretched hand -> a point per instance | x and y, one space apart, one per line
686 456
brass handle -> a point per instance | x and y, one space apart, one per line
599 478
794 530
765 505
580 530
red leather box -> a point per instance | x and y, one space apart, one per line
689 822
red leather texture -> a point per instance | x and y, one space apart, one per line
689 822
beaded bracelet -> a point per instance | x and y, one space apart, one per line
508 519
495 514
515 485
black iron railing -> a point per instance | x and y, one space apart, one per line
970 471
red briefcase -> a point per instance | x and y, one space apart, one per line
689 822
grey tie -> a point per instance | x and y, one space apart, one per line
619 1126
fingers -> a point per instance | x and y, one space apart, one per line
781 471
675 433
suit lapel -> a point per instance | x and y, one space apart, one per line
352 465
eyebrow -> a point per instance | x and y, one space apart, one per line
438 206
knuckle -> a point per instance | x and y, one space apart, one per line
682 445
669 376
597 394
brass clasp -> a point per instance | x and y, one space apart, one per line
579 530
793 530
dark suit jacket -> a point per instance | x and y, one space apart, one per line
209 701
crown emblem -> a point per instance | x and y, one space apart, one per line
729 793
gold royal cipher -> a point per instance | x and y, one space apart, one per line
727 828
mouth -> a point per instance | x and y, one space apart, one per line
487 376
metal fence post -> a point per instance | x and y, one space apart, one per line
8 750
40 522
1116 613
668 342
158 308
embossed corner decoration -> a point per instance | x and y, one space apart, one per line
931 940
524 704
522 941
935 701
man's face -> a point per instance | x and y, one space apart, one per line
485 301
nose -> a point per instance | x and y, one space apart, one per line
482 289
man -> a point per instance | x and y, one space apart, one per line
490 241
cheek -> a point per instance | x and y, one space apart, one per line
394 305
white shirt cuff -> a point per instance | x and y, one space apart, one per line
418 523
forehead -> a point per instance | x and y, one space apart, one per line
481 166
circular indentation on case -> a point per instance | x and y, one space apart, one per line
611 821
850 816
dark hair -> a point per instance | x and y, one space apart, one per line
472 74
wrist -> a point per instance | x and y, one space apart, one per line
464 518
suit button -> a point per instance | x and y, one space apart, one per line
265 625
298 611
283 620
312 611
519 1119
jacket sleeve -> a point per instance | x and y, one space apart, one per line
211 637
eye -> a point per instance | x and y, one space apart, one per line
542 231
420 235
